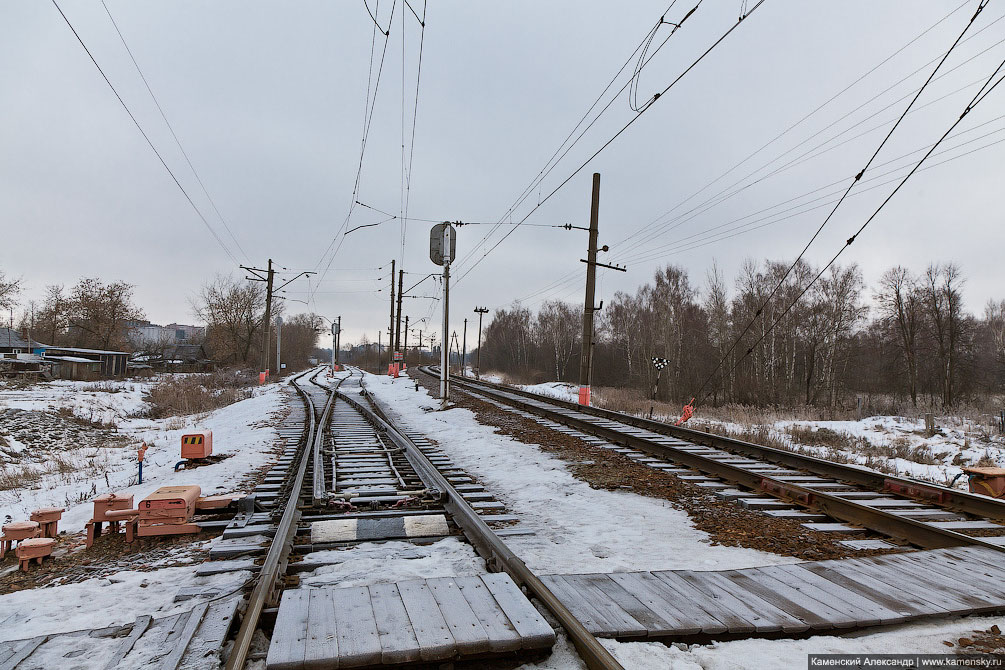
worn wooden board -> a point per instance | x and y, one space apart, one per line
356 627
431 630
321 645
289 638
501 633
468 632
398 643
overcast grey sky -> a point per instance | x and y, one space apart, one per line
268 99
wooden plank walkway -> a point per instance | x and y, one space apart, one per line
420 620
786 599
192 639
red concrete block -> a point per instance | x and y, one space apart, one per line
17 531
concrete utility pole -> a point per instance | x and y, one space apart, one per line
586 355
268 278
268 319
404 342
279 346
335 347
390 327
464 356
397 321
478 361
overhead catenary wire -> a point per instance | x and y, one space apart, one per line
623 250
371 103
170 128
635 118
808 115
738 186
976 100
858 176
559 154
146 137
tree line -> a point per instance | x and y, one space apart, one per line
764 341
94 314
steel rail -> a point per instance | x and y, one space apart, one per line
887 523
963 501
497 555
267 582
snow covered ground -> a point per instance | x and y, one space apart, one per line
561 390
241 432
580 529
577 528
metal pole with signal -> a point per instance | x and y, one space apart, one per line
464 354
442 249
478 361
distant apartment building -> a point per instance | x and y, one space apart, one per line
143 334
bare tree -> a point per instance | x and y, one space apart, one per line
232 311
9 291
900 303
944 305
99 314
557 327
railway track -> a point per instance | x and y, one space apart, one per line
353 477
824 495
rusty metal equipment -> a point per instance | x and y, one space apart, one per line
18 531
987 481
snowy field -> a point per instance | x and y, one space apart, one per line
581 529
243 432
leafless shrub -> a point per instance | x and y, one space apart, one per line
191 394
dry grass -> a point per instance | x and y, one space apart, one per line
197 393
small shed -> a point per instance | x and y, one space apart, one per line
75 368
110 363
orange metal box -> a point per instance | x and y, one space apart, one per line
108 502
197 445
170 504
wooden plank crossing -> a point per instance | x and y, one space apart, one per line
799 598
419 620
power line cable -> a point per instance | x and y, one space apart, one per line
635 118
170 128
145 136
976 100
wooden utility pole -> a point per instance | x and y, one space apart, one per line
397 321
464 355
478 361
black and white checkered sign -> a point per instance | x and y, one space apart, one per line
660 363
